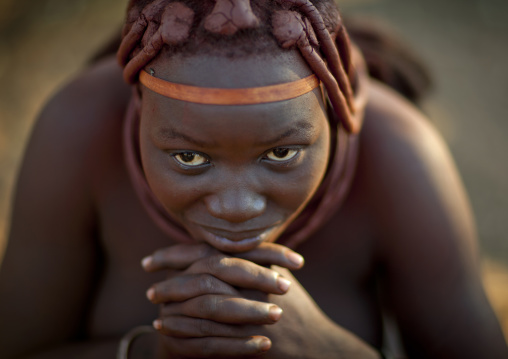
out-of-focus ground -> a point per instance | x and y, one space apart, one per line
43 43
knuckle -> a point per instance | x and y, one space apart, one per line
207 283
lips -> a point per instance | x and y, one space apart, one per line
233 241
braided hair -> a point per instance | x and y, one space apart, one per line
241 27
235 28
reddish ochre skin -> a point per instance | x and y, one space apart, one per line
240 189
404 237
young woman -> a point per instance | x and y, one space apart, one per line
250 138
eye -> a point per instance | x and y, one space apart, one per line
190 159
282 154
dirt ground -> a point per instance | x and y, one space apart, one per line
44 43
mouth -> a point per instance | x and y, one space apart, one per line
234 241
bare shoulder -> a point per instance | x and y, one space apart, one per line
71 131
77 125
411 173
426 240
395 127
91 101
422 214
53 221
68 137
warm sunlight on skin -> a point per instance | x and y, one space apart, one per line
234 176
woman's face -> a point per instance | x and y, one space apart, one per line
234 176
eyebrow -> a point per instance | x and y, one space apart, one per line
166 134
301 126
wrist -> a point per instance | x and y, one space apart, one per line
349 345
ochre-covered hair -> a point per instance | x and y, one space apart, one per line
241 27
235 28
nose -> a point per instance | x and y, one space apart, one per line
235 204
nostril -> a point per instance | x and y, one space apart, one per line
236 206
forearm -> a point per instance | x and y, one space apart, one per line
352 347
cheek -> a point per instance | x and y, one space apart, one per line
173 190
287 192
294 189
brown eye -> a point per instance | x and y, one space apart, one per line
190 159
281 154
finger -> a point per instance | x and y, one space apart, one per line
273 253
178 256
183 287
225 309
242 273
187 327
218 347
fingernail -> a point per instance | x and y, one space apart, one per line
275 313
283 284
157 324
150 294
265 344
146 262
295 258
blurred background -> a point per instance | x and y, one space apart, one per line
44 43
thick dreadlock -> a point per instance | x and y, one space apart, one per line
239 26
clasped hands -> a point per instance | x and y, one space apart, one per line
219 305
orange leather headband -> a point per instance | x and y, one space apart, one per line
219 96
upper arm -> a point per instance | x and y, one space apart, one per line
48 270
427 240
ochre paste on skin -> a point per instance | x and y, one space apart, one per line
294 23
297 23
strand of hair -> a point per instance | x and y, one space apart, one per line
336 96
130 40
328 47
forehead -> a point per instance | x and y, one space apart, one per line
160 112
239 72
